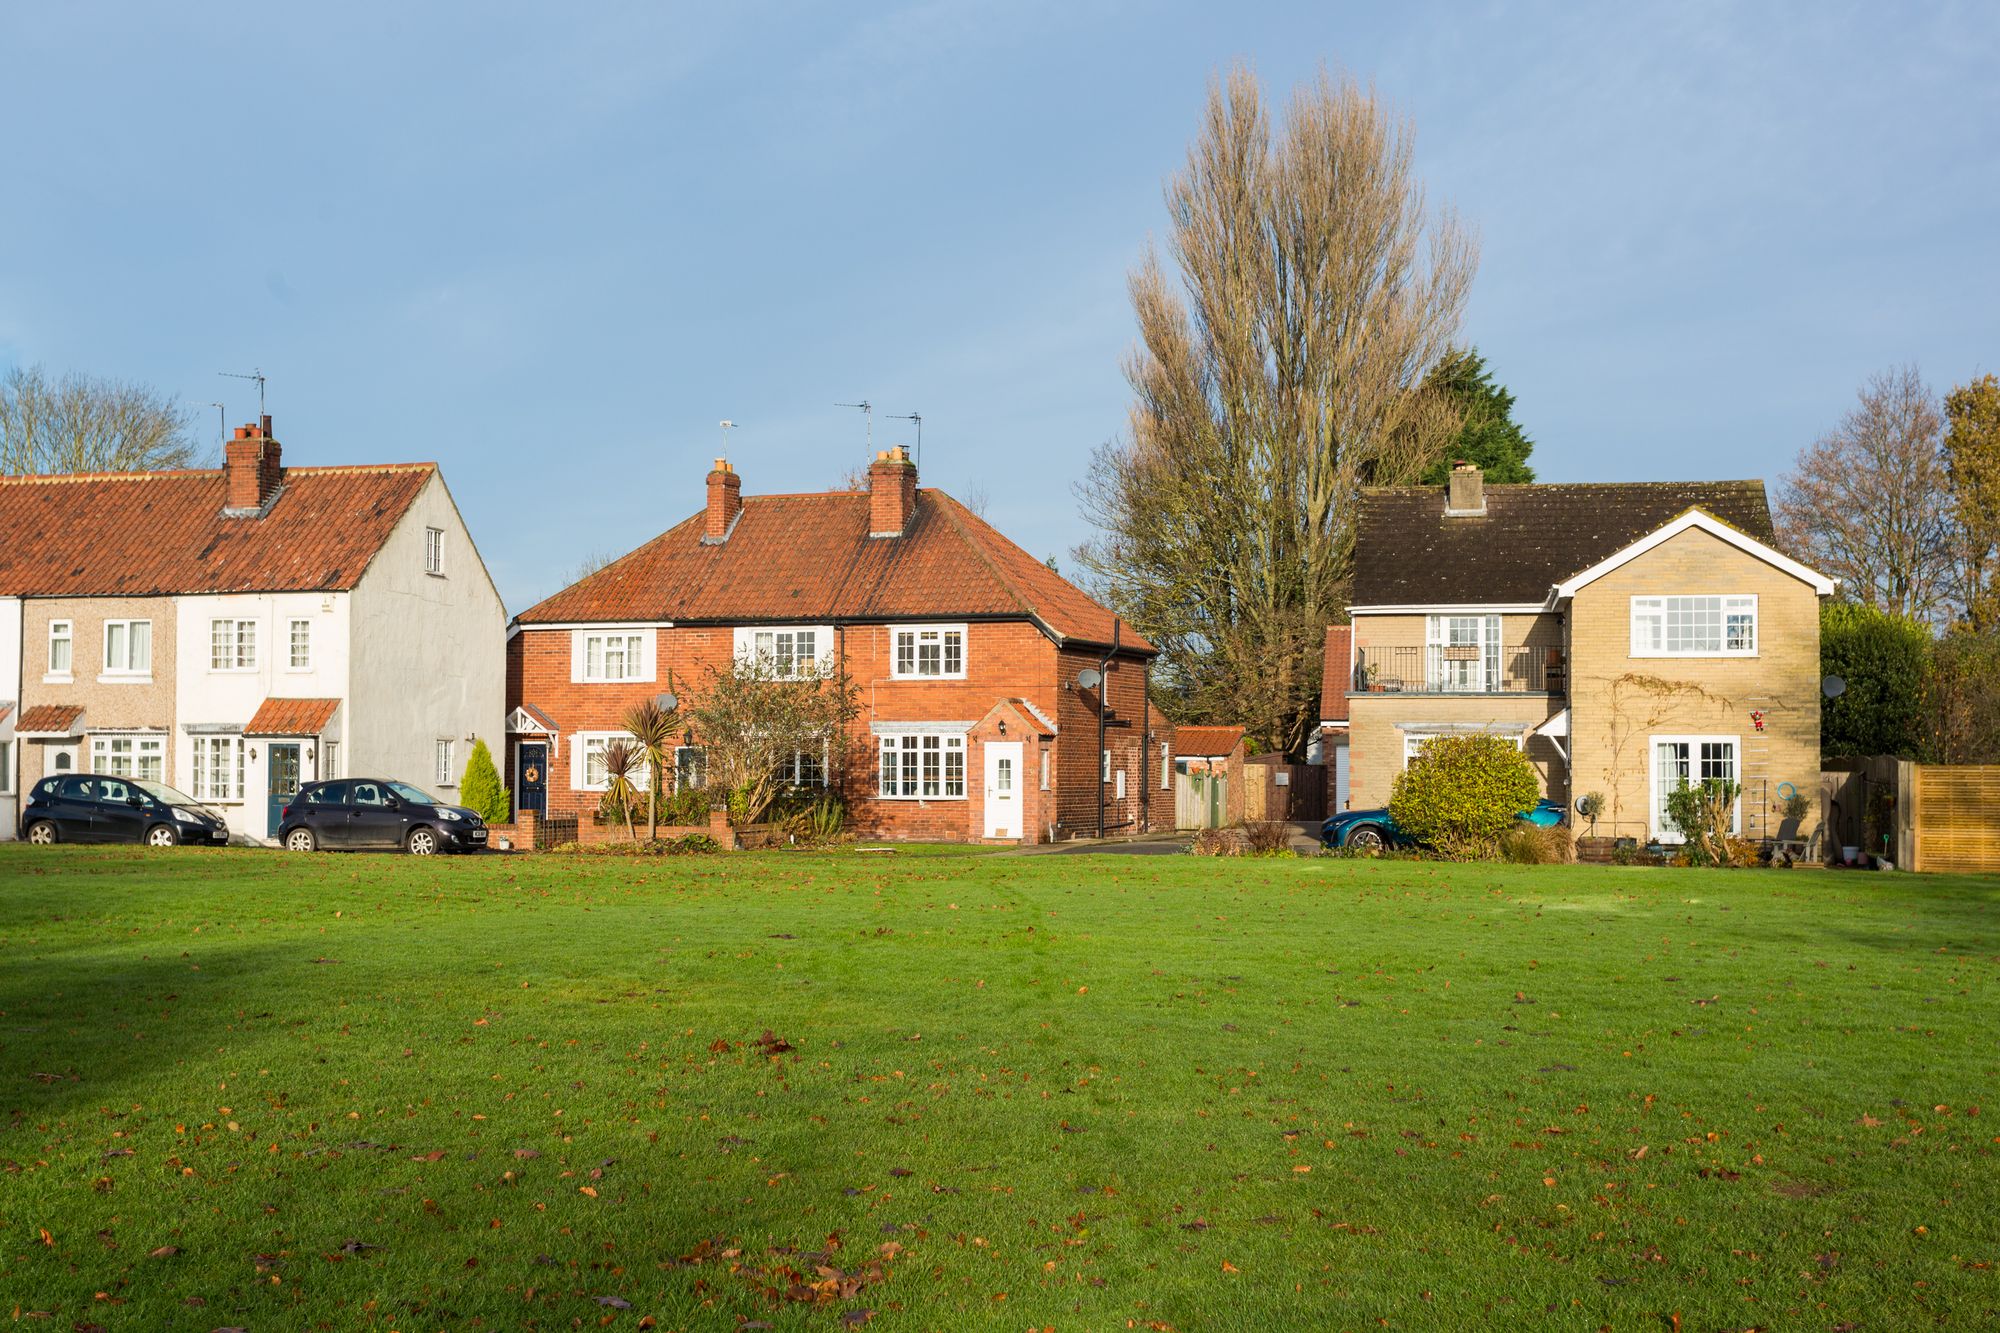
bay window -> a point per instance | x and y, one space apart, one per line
920 765
218 768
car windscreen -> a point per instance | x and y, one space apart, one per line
166 795
416 795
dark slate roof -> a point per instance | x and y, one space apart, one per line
1530 537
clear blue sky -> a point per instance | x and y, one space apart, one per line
551 246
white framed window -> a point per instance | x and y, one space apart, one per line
232 645
329 759
128 647
143 757
1414 741
1045 768
587 771
1166 767
62 636
916 766
609 655
300 641
1720 626
6 768
936 651
791 649
1462 654
445 769
434 551
1684 761
1119 793
1104 764
218 768
803 769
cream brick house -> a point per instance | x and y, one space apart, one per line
1628 636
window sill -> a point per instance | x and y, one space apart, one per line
918 800
899 676
250 670
58 678
1695 657
124 678
434 573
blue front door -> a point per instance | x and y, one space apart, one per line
534 785
283 769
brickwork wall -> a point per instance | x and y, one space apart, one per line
1618 702
1079 763
1003 660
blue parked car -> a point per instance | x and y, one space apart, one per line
1373 830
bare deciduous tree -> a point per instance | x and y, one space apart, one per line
1276 374
1869 502
754 716
81 423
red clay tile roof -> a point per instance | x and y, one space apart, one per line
802 558
1206 742
160 533
49 720
291 717
6 707
1333 687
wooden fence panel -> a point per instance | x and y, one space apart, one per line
1955 818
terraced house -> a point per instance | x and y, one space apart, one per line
997 701
234 632
1629 637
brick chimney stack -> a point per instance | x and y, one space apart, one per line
892 493
252 468
725 502
1466 493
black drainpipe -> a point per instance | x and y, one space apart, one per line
1146 747
1104 698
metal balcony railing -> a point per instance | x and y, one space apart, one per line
1458 669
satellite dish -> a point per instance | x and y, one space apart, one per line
667 701
1833 687
1088 677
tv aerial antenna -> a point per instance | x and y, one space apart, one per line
918 418
727 426
221 424
868 412
256 373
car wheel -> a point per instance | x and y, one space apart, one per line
422 842
161 835
42 833
301 840
1367 838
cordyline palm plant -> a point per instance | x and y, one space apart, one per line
621 761
652 727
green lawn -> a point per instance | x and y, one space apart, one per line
243 1089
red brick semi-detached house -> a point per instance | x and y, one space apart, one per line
969 656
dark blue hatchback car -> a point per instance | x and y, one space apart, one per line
1373 830
96 807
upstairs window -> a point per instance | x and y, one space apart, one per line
232 646
434 550
128 647
61 640
614 655
936 651
792 651
302 645
1694 626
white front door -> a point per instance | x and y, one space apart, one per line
1003 789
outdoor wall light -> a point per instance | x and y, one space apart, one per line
1003 728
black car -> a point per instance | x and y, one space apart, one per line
96 807
353 813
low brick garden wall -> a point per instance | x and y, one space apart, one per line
530 833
